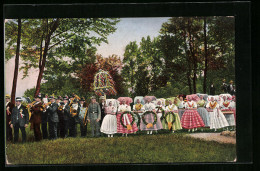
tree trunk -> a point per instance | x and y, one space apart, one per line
16 62
44 56
206 57
194 60
194 79
189 82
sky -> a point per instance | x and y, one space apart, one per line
128 29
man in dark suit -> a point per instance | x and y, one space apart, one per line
73 117
231 87
44 120
9 107
82 117
19 120
66 115
54 119
35 120
224 86
212 89
102 105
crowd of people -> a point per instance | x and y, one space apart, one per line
56 117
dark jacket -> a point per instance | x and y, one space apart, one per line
36 113
66 112
17 118
52 110
8 117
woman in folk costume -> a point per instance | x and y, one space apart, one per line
160 107
181 106
109 124
127 118
139 109
172 107
204 114
217 119
149 118
191 119
225 105
233 106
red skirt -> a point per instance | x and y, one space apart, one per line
120 127
191 119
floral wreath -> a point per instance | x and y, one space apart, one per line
121 121
163 112
149 125
170 123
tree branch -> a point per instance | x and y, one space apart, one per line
60 41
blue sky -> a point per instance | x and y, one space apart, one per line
128 29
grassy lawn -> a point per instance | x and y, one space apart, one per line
140 148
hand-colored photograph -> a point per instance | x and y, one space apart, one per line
120 90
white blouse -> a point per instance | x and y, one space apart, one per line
190 103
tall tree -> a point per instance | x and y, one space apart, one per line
16 62
206 56
131 61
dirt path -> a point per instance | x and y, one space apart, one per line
214 137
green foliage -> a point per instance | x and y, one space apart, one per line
74 38
139 148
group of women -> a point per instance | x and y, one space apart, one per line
183 112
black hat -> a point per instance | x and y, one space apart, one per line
19 99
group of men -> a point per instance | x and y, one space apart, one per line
225 88
52 117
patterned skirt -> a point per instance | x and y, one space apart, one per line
191 119
176 125
217 120
109 124
204 114
149 118
121 128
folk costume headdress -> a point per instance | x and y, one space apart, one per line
162 100
172 99
228 96
153 98
141 99
195 97
128 100
114 102
209 98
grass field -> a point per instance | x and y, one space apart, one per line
164 147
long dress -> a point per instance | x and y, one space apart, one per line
191 118
233 108
225 106
204 114
138 108
181 108
109 124
177 124
127 119
149 118
217 118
